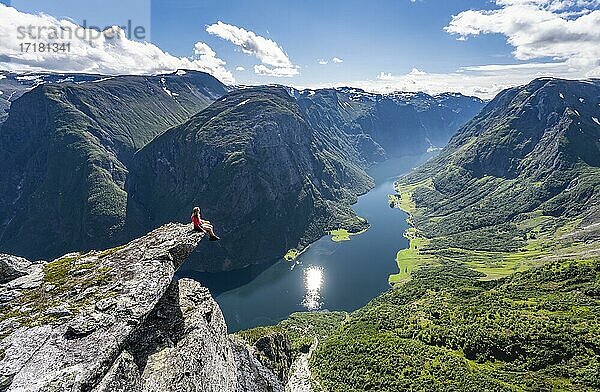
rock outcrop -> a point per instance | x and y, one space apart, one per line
116 320
12 267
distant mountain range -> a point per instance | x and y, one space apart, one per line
13 85
400 123
72 179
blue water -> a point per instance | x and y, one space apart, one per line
328 275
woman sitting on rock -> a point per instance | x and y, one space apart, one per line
203 226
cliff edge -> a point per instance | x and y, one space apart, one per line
116 320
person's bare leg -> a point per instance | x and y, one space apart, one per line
209 229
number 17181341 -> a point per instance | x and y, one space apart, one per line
41 47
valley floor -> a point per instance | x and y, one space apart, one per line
542 238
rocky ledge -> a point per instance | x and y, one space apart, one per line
116 320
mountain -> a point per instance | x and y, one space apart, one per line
256 167
80 132
13 85
521 179
117 320
399 123
66 147
499 288
503 266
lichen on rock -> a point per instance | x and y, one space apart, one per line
117 320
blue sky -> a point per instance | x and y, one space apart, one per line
391 36
476 47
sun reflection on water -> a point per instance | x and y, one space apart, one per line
313 281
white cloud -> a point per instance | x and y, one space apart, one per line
563 30
569 7
206 60
108 52
240 69
275 61
337 60
385 76
322 61
484 81
552 38
278 72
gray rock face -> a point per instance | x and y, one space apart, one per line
115 320
252 375
198 328
12 267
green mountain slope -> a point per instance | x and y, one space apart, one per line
397 123
500 288
66 148
69 143
518 185
13 85
256 167
274 167
445 330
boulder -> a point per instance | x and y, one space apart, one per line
12 267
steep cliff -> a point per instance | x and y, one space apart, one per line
115 320
525 167
66 148
389 125
257 167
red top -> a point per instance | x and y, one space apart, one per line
196 222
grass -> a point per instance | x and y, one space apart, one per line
291 255
415 255
63 274
57 272
340 235
541 237
568 227
403 199
63 279
411 258
495 265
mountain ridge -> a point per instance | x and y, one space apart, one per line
251 142
69 145
87 140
